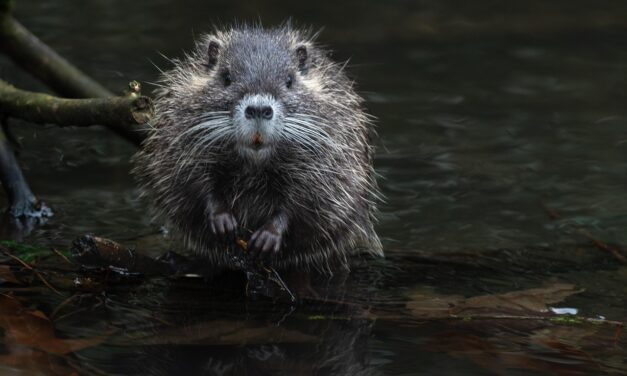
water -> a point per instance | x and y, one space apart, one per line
487 116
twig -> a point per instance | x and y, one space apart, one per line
61 318
27 266
61 255
552 319
252 269
599 244
62 305
603 246
274 276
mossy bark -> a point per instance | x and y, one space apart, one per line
125 115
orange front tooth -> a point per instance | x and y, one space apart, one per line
257 139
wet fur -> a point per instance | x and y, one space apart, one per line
319 170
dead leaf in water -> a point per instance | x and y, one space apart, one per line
540 347
30 343
37 362
31 328
527 341
424 304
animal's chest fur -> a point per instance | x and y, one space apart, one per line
253 196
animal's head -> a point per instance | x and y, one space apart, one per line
255 91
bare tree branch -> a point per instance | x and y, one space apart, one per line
30 53
126 115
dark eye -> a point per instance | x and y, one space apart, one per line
226 77
289 81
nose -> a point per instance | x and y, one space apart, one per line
259 112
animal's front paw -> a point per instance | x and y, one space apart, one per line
265 241
224 224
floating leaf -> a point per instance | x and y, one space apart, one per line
34 362
31 328
537 347
424 304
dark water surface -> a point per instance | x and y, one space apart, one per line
488 115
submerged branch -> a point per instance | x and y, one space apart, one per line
22 200
126 115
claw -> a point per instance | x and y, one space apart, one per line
224 224
264 242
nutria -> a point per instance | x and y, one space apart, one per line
258 134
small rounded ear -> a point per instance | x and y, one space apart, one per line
301 57
212 54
